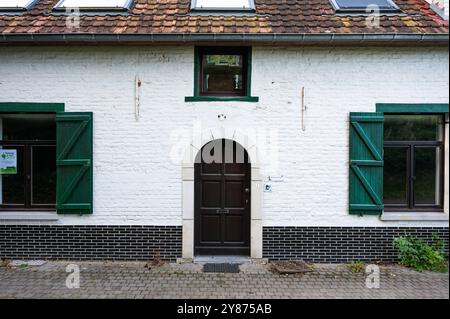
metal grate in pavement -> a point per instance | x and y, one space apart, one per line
221 268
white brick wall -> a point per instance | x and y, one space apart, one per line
135 181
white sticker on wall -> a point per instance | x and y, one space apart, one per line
8 161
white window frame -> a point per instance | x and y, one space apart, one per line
251 7
60 6
338 9
28 4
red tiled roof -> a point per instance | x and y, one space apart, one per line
272 16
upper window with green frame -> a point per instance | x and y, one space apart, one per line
222 74
223 71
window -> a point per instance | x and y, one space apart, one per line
95 5
13 5
223 5
413 162
222 74
28 178
360 6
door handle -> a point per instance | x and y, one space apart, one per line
223 211
247 190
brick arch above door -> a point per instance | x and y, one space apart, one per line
190 154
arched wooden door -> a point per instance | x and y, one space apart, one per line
222 200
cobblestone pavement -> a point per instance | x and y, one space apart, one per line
134 280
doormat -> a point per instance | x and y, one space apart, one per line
222 268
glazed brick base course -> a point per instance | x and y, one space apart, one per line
313 244
340 244
90 242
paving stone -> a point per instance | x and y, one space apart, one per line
132 280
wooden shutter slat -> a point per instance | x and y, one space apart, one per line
366 184
366 163
366 140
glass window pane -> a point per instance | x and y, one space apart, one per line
413 128
43 175
223 74
12 186
427 186
106 4
395 176
362 4
223 4
15 4
28 127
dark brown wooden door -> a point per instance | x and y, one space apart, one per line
222 200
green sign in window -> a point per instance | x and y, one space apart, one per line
8 161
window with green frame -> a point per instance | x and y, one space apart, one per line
413 162
28 176
397 158
45 158
222 74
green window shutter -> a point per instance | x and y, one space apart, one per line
366 163
74 163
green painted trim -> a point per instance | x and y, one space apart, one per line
221 99
196 70
198 98
31 107
412 107
249 72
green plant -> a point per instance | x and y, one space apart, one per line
416 254
357 266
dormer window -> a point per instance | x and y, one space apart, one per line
94 5
222 5
16 5
364 6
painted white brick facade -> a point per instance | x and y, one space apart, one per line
135 181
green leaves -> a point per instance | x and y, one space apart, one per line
416 254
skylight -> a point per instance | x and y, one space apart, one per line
95 5
362 5
14 5
223 5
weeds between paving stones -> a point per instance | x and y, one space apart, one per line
5 263
291 267
154 263
357 266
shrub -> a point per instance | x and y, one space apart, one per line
416 254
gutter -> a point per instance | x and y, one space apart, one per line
270 38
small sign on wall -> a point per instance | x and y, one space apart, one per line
8 161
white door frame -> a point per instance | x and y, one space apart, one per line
188 188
